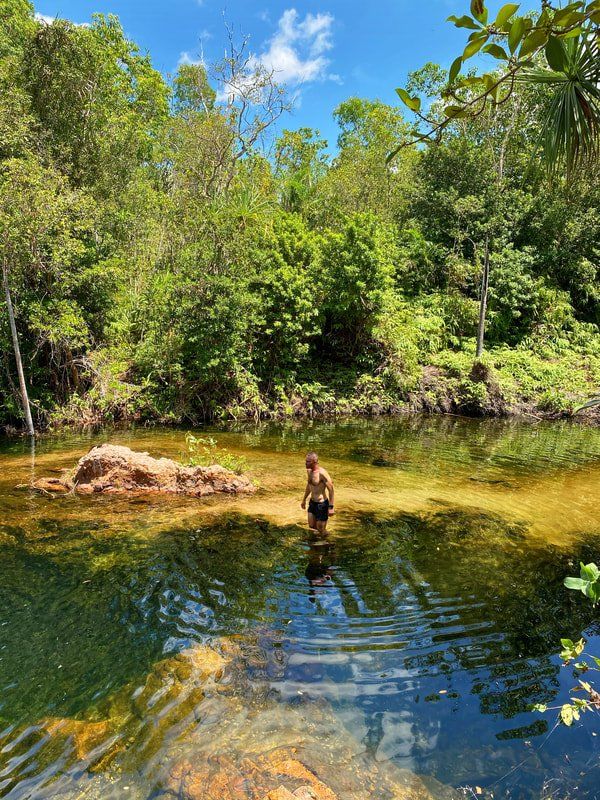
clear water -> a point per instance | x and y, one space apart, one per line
414 637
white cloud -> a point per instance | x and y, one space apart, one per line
296 52
186 58
44 18
48 20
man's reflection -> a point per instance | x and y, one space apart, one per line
321 563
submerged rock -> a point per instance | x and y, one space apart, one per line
200 726
115 469
165 704
293 773
50 486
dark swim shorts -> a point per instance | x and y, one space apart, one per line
319 510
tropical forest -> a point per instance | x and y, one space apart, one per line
342 250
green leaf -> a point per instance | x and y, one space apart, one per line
577 584
464 22
567 16
454 111
532 42
479 11
595 401
541 707
589 572
455 69
561 13
488 81
572 33
517 29
555 54
496 51
566 714
414 103
592 592
474 46
567 643
505 14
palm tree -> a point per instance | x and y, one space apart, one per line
571 132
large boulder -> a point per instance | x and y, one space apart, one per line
116 469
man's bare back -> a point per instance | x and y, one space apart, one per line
318 486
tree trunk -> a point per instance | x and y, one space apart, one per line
485 282
17 349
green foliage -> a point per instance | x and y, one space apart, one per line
557 49
358 287
588 583
204 452
287 268
164 264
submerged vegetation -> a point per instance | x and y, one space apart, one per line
168 258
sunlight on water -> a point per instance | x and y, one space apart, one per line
166 647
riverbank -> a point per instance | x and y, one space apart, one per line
504 383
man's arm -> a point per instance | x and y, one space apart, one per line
329 485
306 493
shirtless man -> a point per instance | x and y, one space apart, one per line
320 507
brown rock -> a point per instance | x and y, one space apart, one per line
283 765
86 735
304 793
217 781
281 793
117 470
51 485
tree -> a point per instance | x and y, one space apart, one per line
359 179
192 92
99 103
300 164
43 228
559 49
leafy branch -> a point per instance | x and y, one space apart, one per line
589 584
559 49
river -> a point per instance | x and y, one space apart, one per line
419 632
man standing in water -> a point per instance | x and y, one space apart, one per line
320 507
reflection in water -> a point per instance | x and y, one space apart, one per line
416 634
321 563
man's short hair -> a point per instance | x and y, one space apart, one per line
312 456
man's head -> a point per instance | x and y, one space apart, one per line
312 459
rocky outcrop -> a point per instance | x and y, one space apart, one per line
115 469
291 773
212 735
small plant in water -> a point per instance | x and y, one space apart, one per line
589 584
204 451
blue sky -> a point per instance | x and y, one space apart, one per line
325 50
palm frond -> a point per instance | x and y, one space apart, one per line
595 401
570 138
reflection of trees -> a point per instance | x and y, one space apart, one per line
486 599
451 599
431 443
82 619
